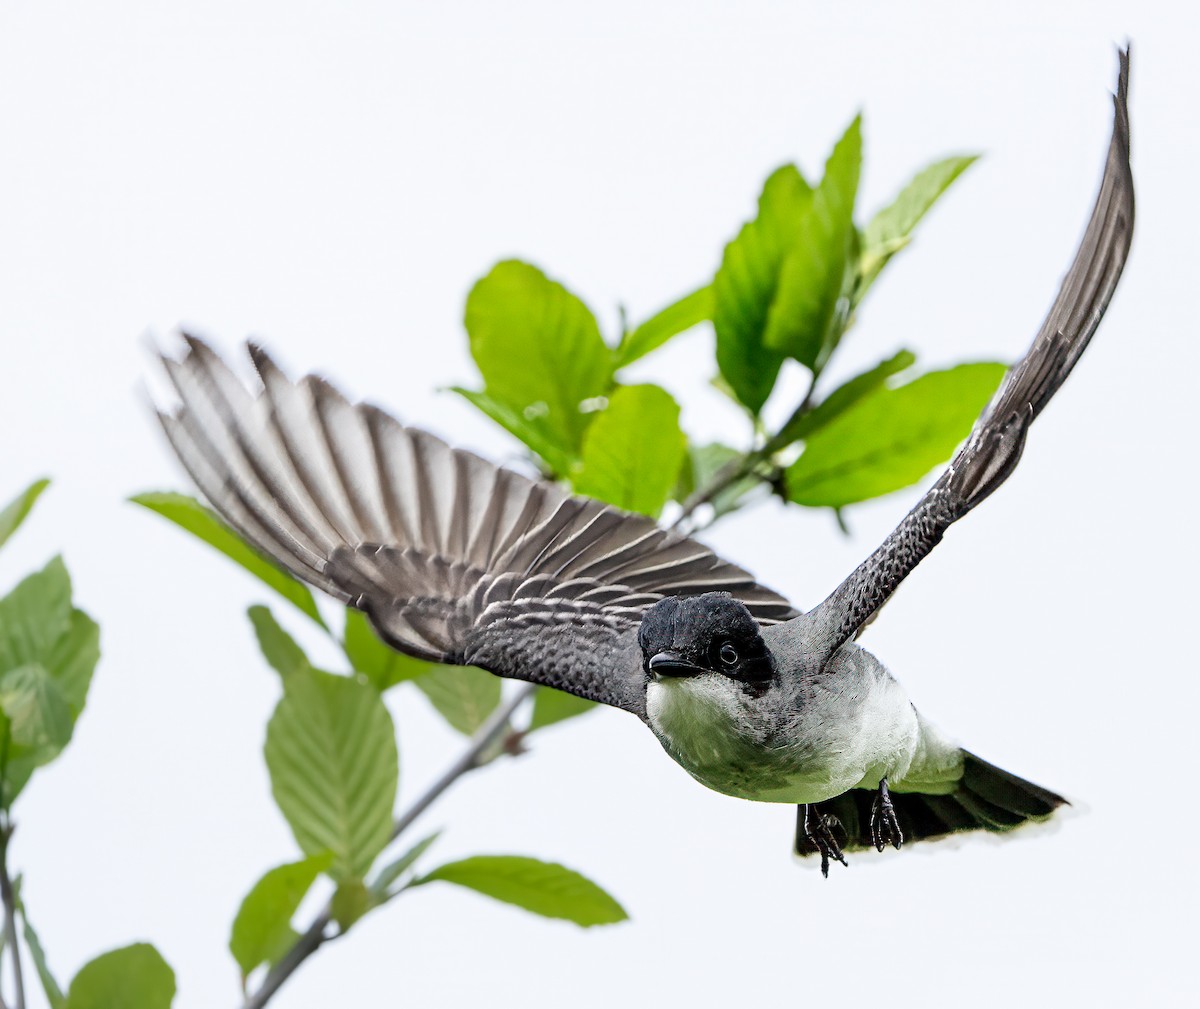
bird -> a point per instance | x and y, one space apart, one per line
456 560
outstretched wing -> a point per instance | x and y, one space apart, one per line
452 558
992 451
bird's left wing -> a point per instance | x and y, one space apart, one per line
453 559
994 447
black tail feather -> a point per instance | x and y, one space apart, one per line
987 798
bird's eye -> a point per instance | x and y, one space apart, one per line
728 654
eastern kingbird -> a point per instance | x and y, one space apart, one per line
459 561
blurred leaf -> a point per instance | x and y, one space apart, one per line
203 523
633 450
54 995
34 615
805 318
892 437
746 283
13 513
463 695
383 667
351 900
846 395
891 229
277 646
38 716
73 657
550 706
134 977
709 460
532 434
676 318
395 869
539 350
331 753
262 931
544 888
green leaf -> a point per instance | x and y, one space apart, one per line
633 450
277 646
539 350
34 615
331 754
709 460
262 931
746 283
73 657
203 523
530 432
38 716
891 229
811 304
37 954
35 722
846 395
544 888
395 869
463 695
351 900
13 513
382 666
134 977
892 437
678 317
551 706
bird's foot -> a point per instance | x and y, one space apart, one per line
817 828
885 828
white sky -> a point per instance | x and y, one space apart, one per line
332 178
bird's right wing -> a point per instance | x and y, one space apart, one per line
994 447
453 559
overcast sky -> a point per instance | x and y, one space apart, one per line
332 178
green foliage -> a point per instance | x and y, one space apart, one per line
390 873
678 317
633 450
805 320
278 647
133 977
53 993
331 753
891 229
203 523
48 651
847 394
551 706
539 350
13 514
892 437
262 930
544 888
463 695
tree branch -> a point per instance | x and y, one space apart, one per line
314 937
10 914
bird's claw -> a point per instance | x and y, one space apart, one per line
885 827
818 829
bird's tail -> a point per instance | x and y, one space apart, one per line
987 798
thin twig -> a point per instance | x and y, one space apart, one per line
739 469
315 935
10 915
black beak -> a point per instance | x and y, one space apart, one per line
672 664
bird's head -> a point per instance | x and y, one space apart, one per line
705 635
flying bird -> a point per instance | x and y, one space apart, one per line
456 560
